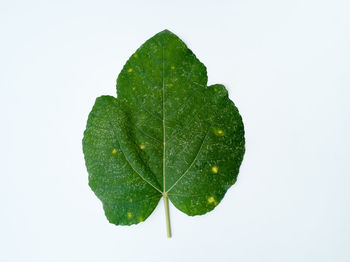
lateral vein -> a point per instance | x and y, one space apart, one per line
194 160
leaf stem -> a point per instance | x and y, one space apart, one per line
167 217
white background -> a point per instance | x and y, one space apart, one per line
287 67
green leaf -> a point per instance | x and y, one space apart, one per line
167 135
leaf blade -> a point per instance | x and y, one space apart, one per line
184 139
112 176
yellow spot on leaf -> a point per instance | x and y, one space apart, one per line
140 219
134 88
172 67
135 55
130 200
130 70
218 132
129 215
211 200
215 169
142 147
114 151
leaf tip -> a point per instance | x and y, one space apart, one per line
166 31
219 90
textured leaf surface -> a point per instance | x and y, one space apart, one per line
167 134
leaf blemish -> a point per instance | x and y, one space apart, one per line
172 67
211 200
215 169
129 215
142 147
130 70
218 132
114 151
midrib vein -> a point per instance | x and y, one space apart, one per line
163 104
165 196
